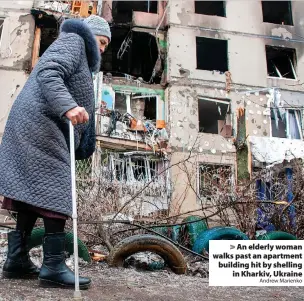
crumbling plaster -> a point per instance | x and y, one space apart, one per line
247 36
16 40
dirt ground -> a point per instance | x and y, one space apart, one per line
111 284
121 284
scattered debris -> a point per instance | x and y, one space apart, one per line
199 269
145 261
97 256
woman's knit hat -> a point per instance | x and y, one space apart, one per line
99 26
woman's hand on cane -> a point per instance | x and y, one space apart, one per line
77 115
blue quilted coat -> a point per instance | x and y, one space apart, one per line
34 153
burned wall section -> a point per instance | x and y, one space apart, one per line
136 49
244 35
133 53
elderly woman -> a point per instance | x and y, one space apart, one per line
34 153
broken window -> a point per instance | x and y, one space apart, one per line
131 53
140 106
48 36
121 103
214 116
279 127
277 12
211 54
49 27
213 8
122 11
213 180
143 107
150 108
135 168
46 32
281 62
288 127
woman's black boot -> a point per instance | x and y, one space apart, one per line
18 263
54 272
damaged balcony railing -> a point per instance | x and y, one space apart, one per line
124 176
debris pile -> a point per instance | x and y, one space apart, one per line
126 126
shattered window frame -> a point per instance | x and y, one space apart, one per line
142 96
227 114
291 55
288 122
129 169
134 54
213 169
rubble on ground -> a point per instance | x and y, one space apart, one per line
140 261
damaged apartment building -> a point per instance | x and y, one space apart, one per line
235 97
216 85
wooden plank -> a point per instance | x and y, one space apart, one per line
122 144
36 47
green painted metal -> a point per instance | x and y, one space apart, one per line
162 43
142 90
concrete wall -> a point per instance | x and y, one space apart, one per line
247 36
184 122
15 52
190 148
